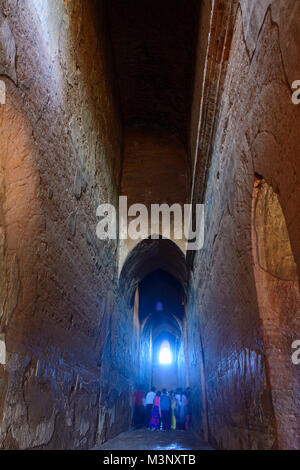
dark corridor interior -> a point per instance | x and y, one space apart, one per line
193 103
154 47
153 286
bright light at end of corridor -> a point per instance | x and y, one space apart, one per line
165 356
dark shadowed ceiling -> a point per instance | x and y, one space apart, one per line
160 296
154 44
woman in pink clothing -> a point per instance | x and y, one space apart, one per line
156 413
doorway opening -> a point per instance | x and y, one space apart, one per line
165 354
161 313
153 290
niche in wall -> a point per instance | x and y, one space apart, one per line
274 250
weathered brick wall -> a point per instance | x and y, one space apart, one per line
154 172
279 308
60 147
248 391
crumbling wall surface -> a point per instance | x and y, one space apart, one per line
278 294
251 397
60 141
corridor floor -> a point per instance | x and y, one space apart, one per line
155 440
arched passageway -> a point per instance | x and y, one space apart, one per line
161 313
152 288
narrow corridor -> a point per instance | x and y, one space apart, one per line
149 224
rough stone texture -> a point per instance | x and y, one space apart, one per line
154 172
194 362
251 386
204 126
60 157
285 13
7 50
200 68
279 308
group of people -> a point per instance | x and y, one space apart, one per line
162 410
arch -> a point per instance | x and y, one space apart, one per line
152 263
150 255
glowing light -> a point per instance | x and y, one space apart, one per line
165 356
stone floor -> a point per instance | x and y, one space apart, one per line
155 440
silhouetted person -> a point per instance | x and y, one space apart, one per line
188 416
138 407
154 423
172 411
180 410
149 405
165 406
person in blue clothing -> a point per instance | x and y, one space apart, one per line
165 407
